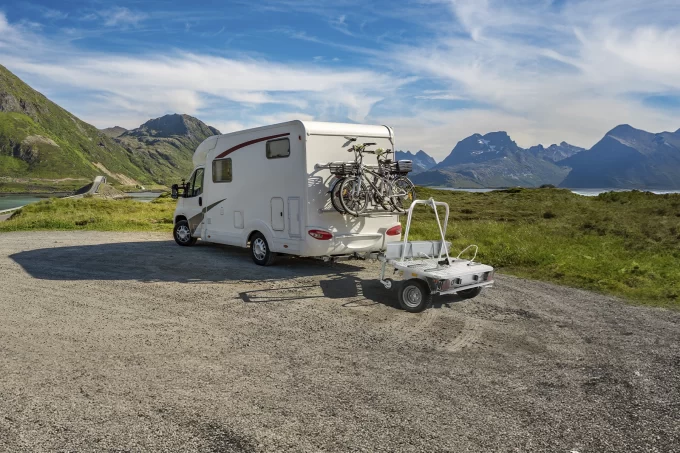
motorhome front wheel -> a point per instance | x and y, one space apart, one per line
182 233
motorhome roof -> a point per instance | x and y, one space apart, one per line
311 128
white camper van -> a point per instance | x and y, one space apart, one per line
263 188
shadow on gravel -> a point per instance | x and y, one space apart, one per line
361 293
338 286
165 261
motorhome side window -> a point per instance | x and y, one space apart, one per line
221 170
278 148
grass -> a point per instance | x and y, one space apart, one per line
91 213
621 243
626 244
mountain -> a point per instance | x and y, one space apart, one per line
555 153
421 160
164 146
492 160
43 145
628 158
113 132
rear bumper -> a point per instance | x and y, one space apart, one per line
347 244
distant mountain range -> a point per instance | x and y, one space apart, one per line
421 160
41 141
625 158
495 160
628 157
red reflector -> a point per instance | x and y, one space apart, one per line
394 231
320 235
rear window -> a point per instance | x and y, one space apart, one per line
278 148
221 170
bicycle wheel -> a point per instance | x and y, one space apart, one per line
335 195
353 195
403 193
381 197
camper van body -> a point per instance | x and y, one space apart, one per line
268 180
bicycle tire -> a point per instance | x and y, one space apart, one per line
335 195
403 192
353 203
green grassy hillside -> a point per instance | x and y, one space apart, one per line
627 244
41 141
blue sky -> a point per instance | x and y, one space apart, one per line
435 70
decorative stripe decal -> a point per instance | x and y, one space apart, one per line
251 142
196 220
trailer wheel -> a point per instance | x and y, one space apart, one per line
182 234
414 295
470 293
259 250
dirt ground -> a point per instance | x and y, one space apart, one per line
127 342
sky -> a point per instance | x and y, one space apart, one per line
437 71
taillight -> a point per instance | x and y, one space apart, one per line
394 231
320 235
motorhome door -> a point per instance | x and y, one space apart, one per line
193 202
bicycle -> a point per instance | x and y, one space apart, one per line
388 187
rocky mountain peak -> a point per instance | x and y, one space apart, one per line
421 160
173 125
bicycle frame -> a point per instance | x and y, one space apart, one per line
361 176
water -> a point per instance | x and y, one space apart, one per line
583 192
596 192
144 197
8 201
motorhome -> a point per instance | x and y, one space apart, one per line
268 189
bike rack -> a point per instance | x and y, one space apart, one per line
372 212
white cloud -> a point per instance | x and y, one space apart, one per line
542 72
121 16
49 13
151 85
547 74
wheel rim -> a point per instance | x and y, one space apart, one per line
183 233
259 249
352 197
413 296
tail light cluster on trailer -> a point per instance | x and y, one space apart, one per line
443 285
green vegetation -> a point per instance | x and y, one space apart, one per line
41 141
91 213
626 243
622 243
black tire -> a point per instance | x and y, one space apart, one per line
335 195
406 193
470 293
414 295
259 250
353 203
182 234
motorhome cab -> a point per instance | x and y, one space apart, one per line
262 188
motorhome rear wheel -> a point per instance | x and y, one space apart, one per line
260 251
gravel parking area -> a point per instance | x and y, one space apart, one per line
127 342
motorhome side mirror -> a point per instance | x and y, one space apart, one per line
175 191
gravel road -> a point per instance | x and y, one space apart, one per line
127 342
